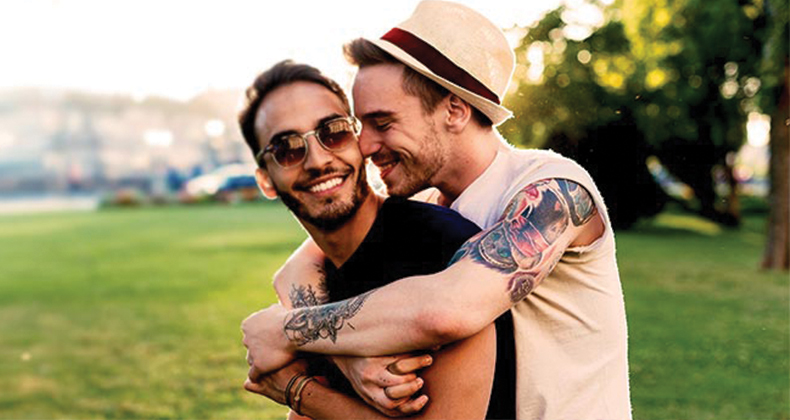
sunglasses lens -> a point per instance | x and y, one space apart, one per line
336 135
289 150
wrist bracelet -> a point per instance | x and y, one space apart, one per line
288 389
297 400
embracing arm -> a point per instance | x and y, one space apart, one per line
458 382
458 385
492 271
318 401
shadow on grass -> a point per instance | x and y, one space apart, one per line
678 225
285 247
666 232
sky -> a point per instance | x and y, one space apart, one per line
178 48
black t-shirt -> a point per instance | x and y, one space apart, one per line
410 238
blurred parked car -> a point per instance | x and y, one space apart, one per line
230 183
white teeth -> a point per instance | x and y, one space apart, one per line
326 185
387 166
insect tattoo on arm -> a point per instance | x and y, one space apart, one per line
534 220
321 322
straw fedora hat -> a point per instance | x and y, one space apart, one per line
459 49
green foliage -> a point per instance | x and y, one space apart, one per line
683 74
135 313
775 54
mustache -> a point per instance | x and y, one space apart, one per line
384 156
313 174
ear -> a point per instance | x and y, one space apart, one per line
458 113
265 183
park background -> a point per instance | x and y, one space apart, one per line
132 243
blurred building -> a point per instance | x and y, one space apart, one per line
68 142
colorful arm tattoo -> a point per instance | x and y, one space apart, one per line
312 323
533 221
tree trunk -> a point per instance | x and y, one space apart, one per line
777 250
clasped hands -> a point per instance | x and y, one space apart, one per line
386 383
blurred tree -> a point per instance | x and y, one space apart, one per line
673 79
698 67
775 100
571 96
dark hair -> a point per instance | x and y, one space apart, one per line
281 74
361 53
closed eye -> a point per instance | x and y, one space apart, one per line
382 125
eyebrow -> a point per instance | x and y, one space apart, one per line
378 114
321 121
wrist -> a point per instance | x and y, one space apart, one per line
288 345
295 393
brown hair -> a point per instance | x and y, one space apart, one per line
361 53
281 74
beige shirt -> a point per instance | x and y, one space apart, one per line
570 332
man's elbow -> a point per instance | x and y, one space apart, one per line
438 326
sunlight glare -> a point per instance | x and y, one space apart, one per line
179 48
758 129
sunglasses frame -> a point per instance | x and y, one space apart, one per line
356 128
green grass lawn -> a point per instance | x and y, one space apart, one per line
134 313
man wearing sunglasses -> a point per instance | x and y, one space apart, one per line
298 125
547 253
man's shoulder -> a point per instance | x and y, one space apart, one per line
420 211
410 215
539 158
526 166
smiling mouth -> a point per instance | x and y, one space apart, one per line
325 185
386 167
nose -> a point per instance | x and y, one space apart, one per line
317 156
369 142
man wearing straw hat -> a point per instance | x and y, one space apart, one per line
547 252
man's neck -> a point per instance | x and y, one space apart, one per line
341 243
470 157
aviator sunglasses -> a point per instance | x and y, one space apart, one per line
290 149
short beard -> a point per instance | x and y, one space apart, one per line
419 174
334 214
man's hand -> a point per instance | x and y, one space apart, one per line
387 383
268 349
272 385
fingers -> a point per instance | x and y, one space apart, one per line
254 374
413 406
386 379
406 390
253 387
410 364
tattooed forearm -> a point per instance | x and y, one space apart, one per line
302 296
322 322
520 285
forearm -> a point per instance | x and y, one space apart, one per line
320 402
414 313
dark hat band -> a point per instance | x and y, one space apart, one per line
431 58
